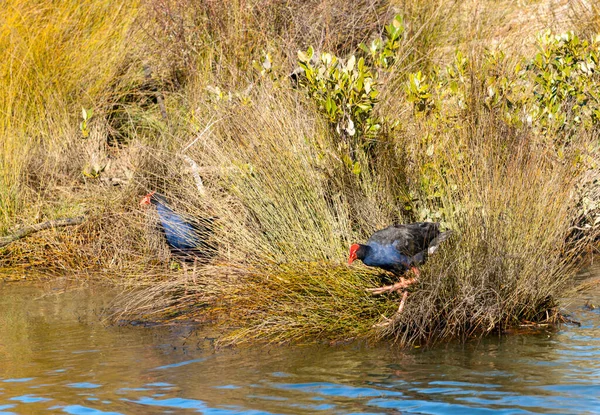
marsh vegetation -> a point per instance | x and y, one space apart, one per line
465 114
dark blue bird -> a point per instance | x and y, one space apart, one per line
187 237
399 248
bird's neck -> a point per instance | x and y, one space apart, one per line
376 250
363 251
163 208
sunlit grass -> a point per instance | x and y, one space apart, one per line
58 56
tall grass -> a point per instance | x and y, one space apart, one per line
288 209
512 203
57 58
285 219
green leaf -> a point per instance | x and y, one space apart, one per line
347 160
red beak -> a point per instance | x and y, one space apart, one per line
146 200
352 258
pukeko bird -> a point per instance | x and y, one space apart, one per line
187 237
399 248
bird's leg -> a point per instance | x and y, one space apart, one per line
403 283
185 276
194 271
386 320
401 306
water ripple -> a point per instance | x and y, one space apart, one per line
332 389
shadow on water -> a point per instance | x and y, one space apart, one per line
56 357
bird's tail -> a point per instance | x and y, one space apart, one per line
435 243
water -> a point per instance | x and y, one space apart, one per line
56 357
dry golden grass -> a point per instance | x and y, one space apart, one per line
57 58
513 208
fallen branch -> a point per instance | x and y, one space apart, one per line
28 230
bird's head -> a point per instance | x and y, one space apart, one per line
355 253
147 200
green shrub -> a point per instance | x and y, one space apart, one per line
346 94
566 83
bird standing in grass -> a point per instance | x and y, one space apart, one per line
187 237
398 249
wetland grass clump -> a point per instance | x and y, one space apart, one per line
276 165
293 173
286 204
60 57
512 204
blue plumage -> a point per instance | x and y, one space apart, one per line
180 234
398 248
186 236
386 257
